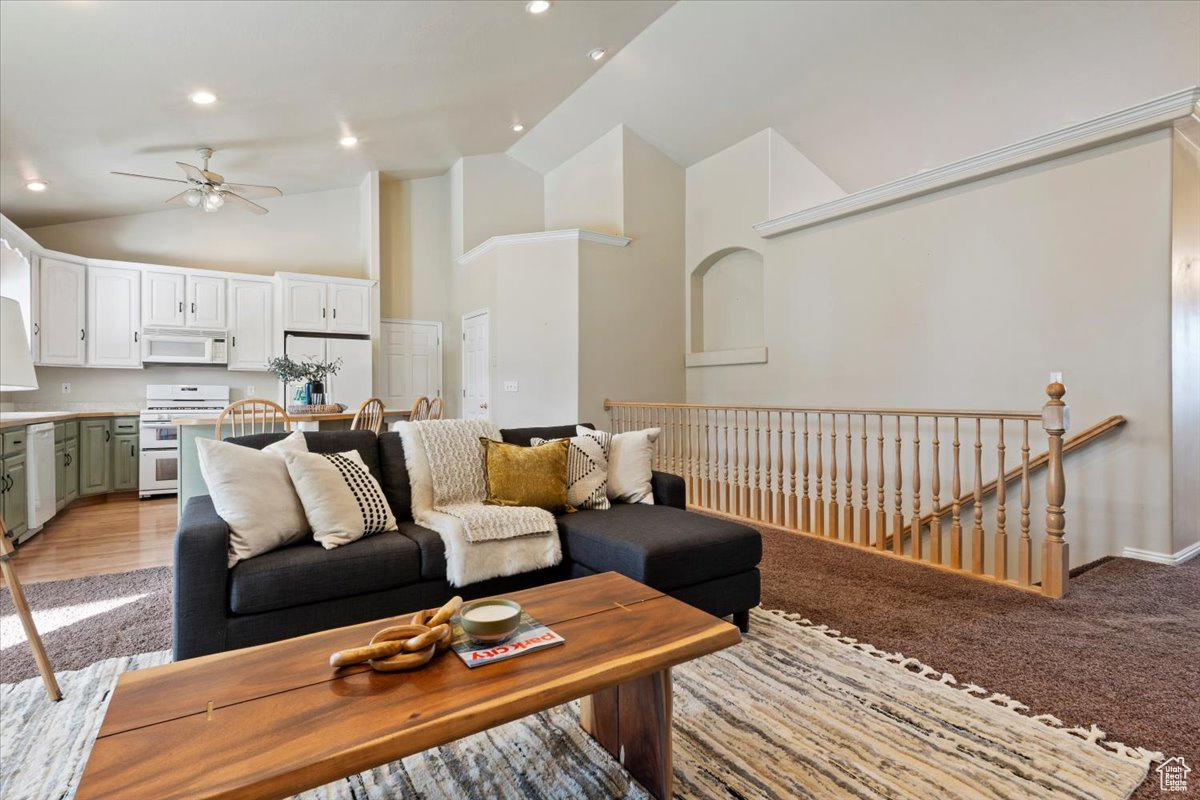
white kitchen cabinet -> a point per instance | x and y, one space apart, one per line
62 292
350 308
163 298
206 302
114 317
304 305
250 332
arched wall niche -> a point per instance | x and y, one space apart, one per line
727 309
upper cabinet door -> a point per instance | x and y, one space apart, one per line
250 331
304 305
350 308
61 305
206 302
163 299
113 317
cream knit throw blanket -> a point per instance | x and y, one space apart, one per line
445 468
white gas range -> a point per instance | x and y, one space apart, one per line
158 472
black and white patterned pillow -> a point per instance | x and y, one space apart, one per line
587 472
342 500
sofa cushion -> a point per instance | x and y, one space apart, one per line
660 546
394 476
522 436
307 573
323 442
433 550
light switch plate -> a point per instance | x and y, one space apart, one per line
510 386
66 388
250 391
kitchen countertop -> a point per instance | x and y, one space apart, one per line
389 413
15 419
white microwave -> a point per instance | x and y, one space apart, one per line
183 346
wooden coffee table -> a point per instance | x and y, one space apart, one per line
274 720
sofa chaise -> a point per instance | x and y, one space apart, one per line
709 563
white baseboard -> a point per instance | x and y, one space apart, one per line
1186 554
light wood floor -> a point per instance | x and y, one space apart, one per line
100 535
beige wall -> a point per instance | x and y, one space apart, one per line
969 298
1185 335
588 189
415 248
128 386
495 194
795 182
319 232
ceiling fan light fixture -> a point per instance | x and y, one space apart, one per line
213 202
193 197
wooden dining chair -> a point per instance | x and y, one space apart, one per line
369 416
435 408
253 415
420 410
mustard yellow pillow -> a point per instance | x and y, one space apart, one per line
526 476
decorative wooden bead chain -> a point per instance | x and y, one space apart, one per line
404 647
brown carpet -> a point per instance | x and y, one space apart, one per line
1121 651
78 625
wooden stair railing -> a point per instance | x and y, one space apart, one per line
873 478
1080 439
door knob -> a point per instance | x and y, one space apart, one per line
483 405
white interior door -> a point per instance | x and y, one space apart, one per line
410 362
476 366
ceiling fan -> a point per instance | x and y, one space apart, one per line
209 190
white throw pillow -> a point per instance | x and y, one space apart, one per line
252 491
587 471
294 442
342 500
629 459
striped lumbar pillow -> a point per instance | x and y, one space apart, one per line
342 500
587 472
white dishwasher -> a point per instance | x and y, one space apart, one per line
40 470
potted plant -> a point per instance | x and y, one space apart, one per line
316 372
288 371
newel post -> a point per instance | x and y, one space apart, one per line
1056 419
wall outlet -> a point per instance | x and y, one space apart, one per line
250 391
66 388
510 386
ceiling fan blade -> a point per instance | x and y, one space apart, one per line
252 189
179 199
253 208
193 173
214 177
149 177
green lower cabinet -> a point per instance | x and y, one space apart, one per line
14 502
70 470
95 456
125 462
60 470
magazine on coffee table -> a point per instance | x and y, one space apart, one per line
530 635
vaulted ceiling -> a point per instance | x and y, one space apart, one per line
90 87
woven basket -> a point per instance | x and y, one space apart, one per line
328 408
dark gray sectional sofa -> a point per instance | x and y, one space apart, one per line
711 564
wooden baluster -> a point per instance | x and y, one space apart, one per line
693 452
763 497
747 511
737 464
1024 547
848 511
881 493
956 508
725 490
792 505
819 519
915 529
1055 555
977 527
1001 566
834 508
898 512
707 455
935 525
777 509
805 500
864 512
679 450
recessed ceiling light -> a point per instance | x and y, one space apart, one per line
517 127
348 141
538 6
203 98
37 186
597 53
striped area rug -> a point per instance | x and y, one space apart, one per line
796 710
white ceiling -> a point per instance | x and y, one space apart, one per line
89 87
874 91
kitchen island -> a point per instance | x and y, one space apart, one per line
191 482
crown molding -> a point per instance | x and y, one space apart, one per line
720 358
567 234
1148 116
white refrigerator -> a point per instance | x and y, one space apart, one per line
352 384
